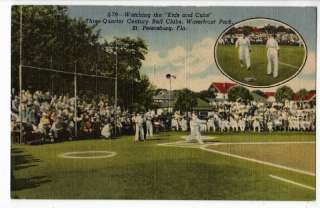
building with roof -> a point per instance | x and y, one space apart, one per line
161 100
222 89
309 97
270 96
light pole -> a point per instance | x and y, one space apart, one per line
170 76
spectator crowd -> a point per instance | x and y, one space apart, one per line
253 116
261 38
44 117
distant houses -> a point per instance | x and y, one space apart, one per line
222 89
309 97
161 99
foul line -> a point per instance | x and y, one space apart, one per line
205 148
284 142
179 144
289 65
258 161
292 182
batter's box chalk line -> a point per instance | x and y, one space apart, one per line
79 154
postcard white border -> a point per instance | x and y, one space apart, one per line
5 200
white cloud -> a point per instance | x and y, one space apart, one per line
198 58
201 55
153 58
176 54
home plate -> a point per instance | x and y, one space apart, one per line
206 138
249 79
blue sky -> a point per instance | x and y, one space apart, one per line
168 50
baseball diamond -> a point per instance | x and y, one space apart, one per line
150 171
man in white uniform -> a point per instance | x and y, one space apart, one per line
256 124
243 43
184 124
139 128
195 129
242 123
272 55
106 131
149 124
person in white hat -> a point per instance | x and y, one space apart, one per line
243 43
272 56
139 128
149 125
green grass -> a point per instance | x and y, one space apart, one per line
299 156
228 59
148 171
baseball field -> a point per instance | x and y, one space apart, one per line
233 166
290 60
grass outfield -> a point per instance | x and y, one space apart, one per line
295 155
228 59
149 171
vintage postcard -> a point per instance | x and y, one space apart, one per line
163 102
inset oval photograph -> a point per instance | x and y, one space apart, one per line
260 52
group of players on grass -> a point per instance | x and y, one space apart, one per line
244 45
244 40
50 118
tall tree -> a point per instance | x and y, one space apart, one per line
283 93
207 94
239 92
259 92
186 100
301 93
52 39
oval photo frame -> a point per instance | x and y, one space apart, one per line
227 56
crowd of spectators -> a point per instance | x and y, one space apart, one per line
261 38
254 116
50 118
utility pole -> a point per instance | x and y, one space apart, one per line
75 101
116 91
20 78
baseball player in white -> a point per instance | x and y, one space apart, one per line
139 128
270 126
148 117
195 129
184 124
272 55
211 124
242 124
256 124
233 124
243 43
